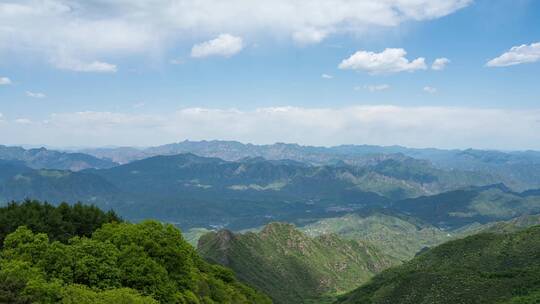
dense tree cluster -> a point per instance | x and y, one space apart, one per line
120 263
60 222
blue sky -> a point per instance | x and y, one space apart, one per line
112 77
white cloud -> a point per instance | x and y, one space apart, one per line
445 127
225 45
5 81
430 90
376 87
385 62
327 76
517 55
440 64
35 94
89 30
23 121
79 66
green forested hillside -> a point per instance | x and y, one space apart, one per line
396 236
60 223
454 209
120 263
291 267
484 268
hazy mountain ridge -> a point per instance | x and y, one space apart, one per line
18 182
50 159
519 169
198 191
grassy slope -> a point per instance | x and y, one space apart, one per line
397 237
484 268
292 267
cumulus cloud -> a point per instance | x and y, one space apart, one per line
430 90
517 55
440 64
92 30
327 76
385 62
224 45
35 94
376 87
5 81
445 127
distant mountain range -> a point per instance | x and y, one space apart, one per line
195 191
49 159
518 170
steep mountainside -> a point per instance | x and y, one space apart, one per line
484 268
291 267
49 159
399 237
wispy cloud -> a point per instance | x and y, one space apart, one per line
224 45
35 94
327 76
446 127
80 66
517 55
177 61
375 87
430 90
385 62
23 121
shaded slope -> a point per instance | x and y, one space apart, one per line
484 268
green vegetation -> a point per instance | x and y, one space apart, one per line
291 267
120 263
193 235
484 268
398 237
455 209
60 223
